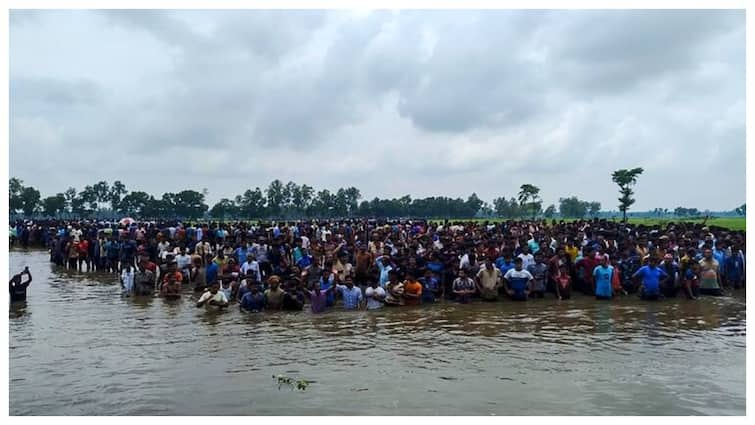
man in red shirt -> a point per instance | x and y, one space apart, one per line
587 264
83 248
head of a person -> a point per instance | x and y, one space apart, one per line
653 261
518 263
274 281
214 287
606 261
348 281
393 276
708 253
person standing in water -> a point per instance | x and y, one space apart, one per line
18 288
603 278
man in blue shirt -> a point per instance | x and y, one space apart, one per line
431 289
650 277
326 281
352 295
603 275
211 272
253 301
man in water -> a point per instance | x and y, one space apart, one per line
463 287
431 289
127 279
650 277
375 296
488 280
18 288
352 295
539 272
213 297
710 277
603 277
253 301
518 281
274 295
412 289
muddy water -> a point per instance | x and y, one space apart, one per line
78 348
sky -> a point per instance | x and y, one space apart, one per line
425 103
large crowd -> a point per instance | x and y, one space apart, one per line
355 264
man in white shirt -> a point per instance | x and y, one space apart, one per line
213 297
527 258
375 296
253 265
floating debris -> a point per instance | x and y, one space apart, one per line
299 384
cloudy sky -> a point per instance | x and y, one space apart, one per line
418 102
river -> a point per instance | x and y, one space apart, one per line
78 348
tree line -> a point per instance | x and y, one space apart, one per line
293 201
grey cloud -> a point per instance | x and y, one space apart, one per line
441 102
54 93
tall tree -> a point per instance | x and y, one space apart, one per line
15 187
275 198
30 201
53 205
741 210
529 198
572 207
70 195
116 194
225 208
252 203
134 204
189 204
594 208
626 179
102 190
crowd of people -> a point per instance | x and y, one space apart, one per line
370 264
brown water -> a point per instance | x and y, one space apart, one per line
78 348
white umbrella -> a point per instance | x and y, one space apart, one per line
126 221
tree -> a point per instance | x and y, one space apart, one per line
70 195
252 203
29 201
117 191
550 211
52 205
594 209
188 204
625 179
102 191
741 210
15 187
275 198
572 207
223 209
529 199
134 204
472 205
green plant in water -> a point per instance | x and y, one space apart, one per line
300 384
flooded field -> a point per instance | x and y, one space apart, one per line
78 348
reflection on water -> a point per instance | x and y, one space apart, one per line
78 347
